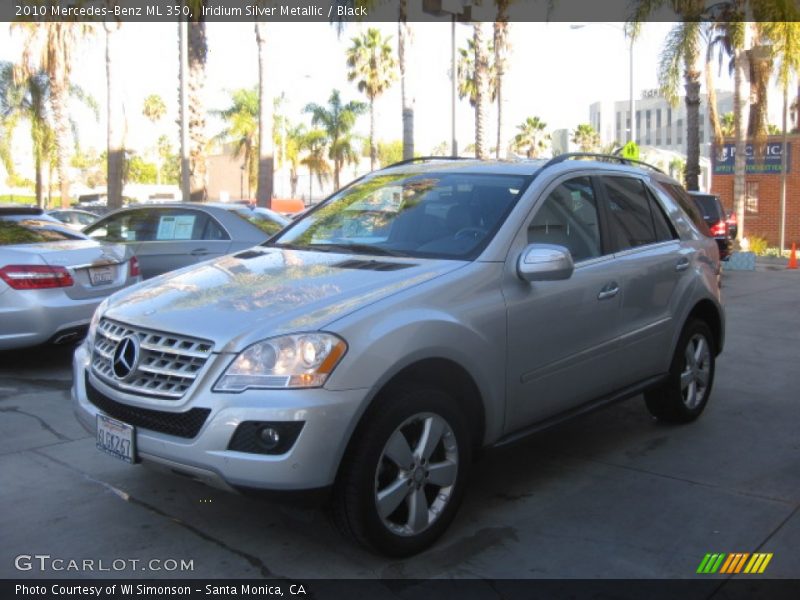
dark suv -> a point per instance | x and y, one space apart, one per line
713 213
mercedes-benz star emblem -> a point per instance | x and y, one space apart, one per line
126 357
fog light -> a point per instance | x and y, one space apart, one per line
269 437
265 437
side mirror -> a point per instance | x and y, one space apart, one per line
544 262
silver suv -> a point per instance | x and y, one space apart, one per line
422 313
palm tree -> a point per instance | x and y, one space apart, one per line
294 136
198 54
727 125
680 56
482 91
154 110
717 38
241 128
501 49
465 72
115 126
26 99
531 139
337 120
585 136
266 154
371 63
784 36
49 47
404 40
314 144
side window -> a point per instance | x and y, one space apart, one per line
664 228
630 216
133 226
682 198
180 225
568 217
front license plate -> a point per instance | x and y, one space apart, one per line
102 275
116 438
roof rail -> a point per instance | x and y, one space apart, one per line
602 157
424 158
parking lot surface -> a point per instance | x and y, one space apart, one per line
613 494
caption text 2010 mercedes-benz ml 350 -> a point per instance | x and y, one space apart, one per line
423 312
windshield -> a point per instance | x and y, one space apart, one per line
437 215
34 230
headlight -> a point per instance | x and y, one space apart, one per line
291 361
98 312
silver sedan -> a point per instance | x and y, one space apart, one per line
166 237
52 278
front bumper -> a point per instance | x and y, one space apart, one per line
310 463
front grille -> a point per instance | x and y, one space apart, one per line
185 424
168 366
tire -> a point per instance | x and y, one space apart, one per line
684 395
418 501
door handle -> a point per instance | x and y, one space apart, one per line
682 264
609 291
199 252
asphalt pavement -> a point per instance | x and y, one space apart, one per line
613 494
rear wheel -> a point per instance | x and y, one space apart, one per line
403 478
683 396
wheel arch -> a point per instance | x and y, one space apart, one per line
440 373
709 313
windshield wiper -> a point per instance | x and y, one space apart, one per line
356 249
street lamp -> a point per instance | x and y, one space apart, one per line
458 10
632 128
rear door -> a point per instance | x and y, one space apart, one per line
181 237
651 264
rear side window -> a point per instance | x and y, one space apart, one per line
634 219
682 198
710 207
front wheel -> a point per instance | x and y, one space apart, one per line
403 478
683 396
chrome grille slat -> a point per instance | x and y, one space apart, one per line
168 366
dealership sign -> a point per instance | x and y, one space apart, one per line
769 163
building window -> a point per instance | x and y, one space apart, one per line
669 127
639 127
679 132
619 126
658 127
751 197
647 124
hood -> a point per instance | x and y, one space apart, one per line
242 298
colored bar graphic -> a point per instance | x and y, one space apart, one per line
735 563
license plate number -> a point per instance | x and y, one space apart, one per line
116 438
102 275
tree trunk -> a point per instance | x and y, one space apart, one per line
500 52
740 112
481 92
266 152
115 156
713 113
692 168
294 176
373 151
58 97
38 185
404 39
198 50
760 71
